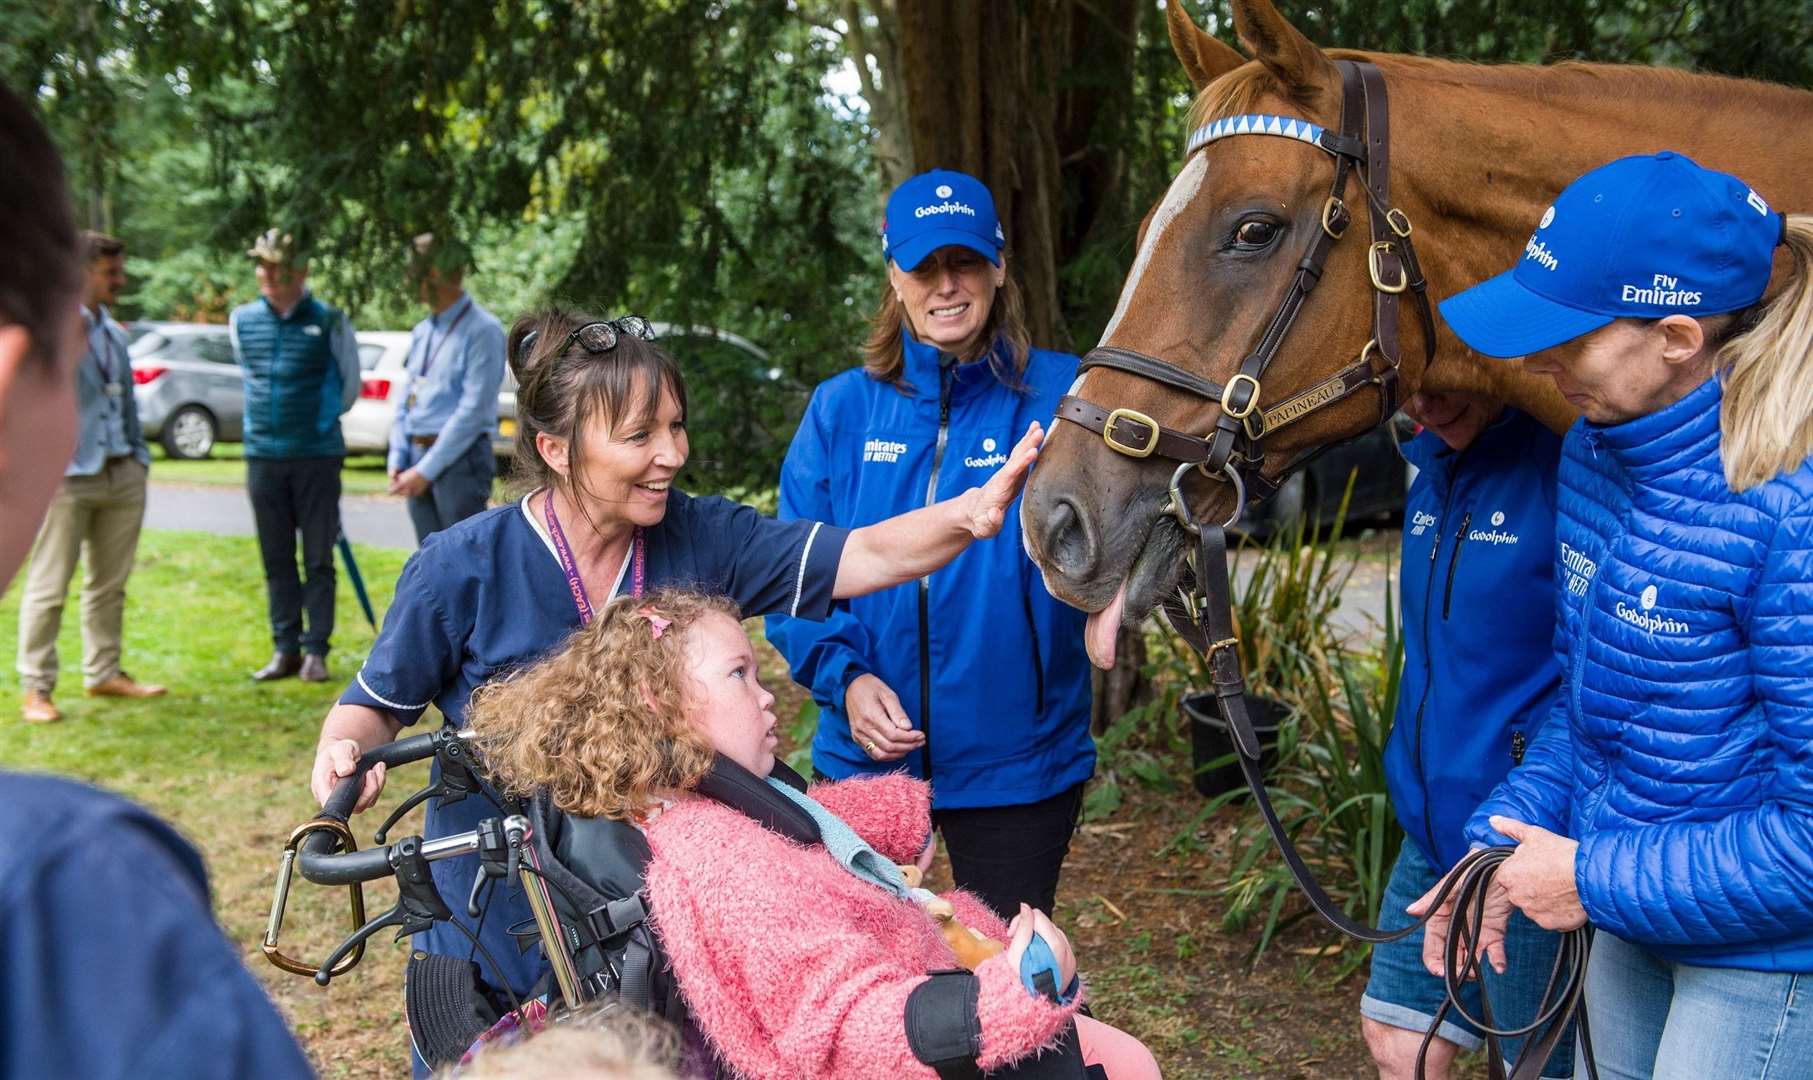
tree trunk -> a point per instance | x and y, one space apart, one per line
1030 96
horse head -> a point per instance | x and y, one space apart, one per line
1218 257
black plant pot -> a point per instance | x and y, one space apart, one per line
1211 741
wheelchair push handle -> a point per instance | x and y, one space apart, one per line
339 804
324 850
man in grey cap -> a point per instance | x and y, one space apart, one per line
440 441
300 363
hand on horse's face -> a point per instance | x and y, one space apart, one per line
989 503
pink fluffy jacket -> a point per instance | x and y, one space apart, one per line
792 967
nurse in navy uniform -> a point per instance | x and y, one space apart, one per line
603 434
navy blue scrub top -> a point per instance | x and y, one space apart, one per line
488 596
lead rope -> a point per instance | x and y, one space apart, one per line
1207 612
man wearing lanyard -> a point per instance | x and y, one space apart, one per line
300 363
440 441
101 504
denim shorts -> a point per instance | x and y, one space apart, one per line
1401 992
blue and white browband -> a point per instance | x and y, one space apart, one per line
1288 127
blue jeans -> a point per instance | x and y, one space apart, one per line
1652 1017
1401 992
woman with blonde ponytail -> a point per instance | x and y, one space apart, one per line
1669 798
1767 417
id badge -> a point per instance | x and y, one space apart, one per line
115 390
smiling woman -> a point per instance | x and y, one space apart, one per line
976 680
603 415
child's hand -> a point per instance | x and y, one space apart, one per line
1030 921
924 862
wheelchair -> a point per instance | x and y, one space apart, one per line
583 878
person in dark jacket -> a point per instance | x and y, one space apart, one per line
110 963
300 363
974 677
1479 526
1668 799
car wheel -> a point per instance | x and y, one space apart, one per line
190 432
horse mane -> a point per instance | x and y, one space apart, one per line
1238 92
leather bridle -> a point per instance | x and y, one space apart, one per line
1234 448
1201 612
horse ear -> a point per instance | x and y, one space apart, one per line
1204 56
1306 72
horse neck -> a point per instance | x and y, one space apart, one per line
1478 153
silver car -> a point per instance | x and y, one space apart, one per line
187 387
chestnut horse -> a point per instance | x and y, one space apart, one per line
1476 153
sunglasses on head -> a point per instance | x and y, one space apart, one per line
595 337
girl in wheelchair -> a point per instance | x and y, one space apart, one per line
799 960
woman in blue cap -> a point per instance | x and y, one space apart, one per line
1669 798
973 678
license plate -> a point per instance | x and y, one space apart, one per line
506 428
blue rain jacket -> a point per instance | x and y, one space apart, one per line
1476 590
1008 710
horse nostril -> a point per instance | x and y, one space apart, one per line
1069 542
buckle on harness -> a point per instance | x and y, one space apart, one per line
1392 218
1335 217
280 900
1376 267
1246 408
1132 416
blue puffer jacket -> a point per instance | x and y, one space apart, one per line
1479 526
1681 752
1007 714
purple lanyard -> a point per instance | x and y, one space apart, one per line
571 569
429 349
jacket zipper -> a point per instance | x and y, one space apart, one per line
1428 663
1038 658
1460 538
946 369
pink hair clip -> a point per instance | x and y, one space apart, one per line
657 624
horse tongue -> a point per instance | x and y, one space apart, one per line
1102 629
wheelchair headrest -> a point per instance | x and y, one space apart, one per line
595 859
752 796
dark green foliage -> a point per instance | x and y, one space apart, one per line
680 158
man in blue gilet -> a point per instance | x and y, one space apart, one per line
300 363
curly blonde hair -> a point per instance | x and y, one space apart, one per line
601 724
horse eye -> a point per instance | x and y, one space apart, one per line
1255 234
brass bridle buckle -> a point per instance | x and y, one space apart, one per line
1399 222
1334 217
1375 267
1227 397
1130 449
280 899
